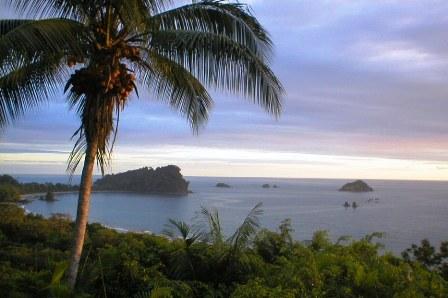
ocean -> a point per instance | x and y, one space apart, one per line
406 211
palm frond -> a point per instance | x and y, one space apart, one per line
174 84
214 234
180 51
173 227
232 20
28 39
177 227
9 25
247 229
223 64
49 8
134 14
28 84
97 122
78 150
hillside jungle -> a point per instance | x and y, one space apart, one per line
197 260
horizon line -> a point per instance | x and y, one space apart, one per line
255 177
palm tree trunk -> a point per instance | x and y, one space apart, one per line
83 211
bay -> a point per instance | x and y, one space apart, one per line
406 211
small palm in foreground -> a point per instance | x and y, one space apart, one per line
182 259
209 230
172 52
231 257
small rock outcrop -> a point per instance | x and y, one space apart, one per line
222 185
49 197
356 186
164 180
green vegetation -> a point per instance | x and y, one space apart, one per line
6 179
204 263
427 255
49 196
176 51
9 193
10 185
162 180
9 189
30 188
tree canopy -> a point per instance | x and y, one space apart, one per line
270 264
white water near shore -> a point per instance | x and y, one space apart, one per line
407 211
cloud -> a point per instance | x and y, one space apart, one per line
363 78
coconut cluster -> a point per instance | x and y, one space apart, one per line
126 51
116 81
121 82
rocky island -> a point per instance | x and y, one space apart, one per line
49 197
223 185
164 180
356 186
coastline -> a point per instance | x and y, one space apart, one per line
36 195
27 198
301 201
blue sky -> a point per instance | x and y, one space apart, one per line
366 97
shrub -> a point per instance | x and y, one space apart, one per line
115 264
9 193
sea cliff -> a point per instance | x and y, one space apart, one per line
164 180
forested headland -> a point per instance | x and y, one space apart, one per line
11 189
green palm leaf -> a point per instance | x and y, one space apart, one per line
232 20
49 36
31 57
186 232
215 234
28 84
171 82
9 25
51 8
247 229
223 64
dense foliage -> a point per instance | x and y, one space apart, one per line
201 263
28 188
427 255
9 184
162 180
9 193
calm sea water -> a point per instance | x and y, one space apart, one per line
407 211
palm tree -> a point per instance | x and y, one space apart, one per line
182 258
101 50
208 230
231 249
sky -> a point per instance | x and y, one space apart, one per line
366 97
